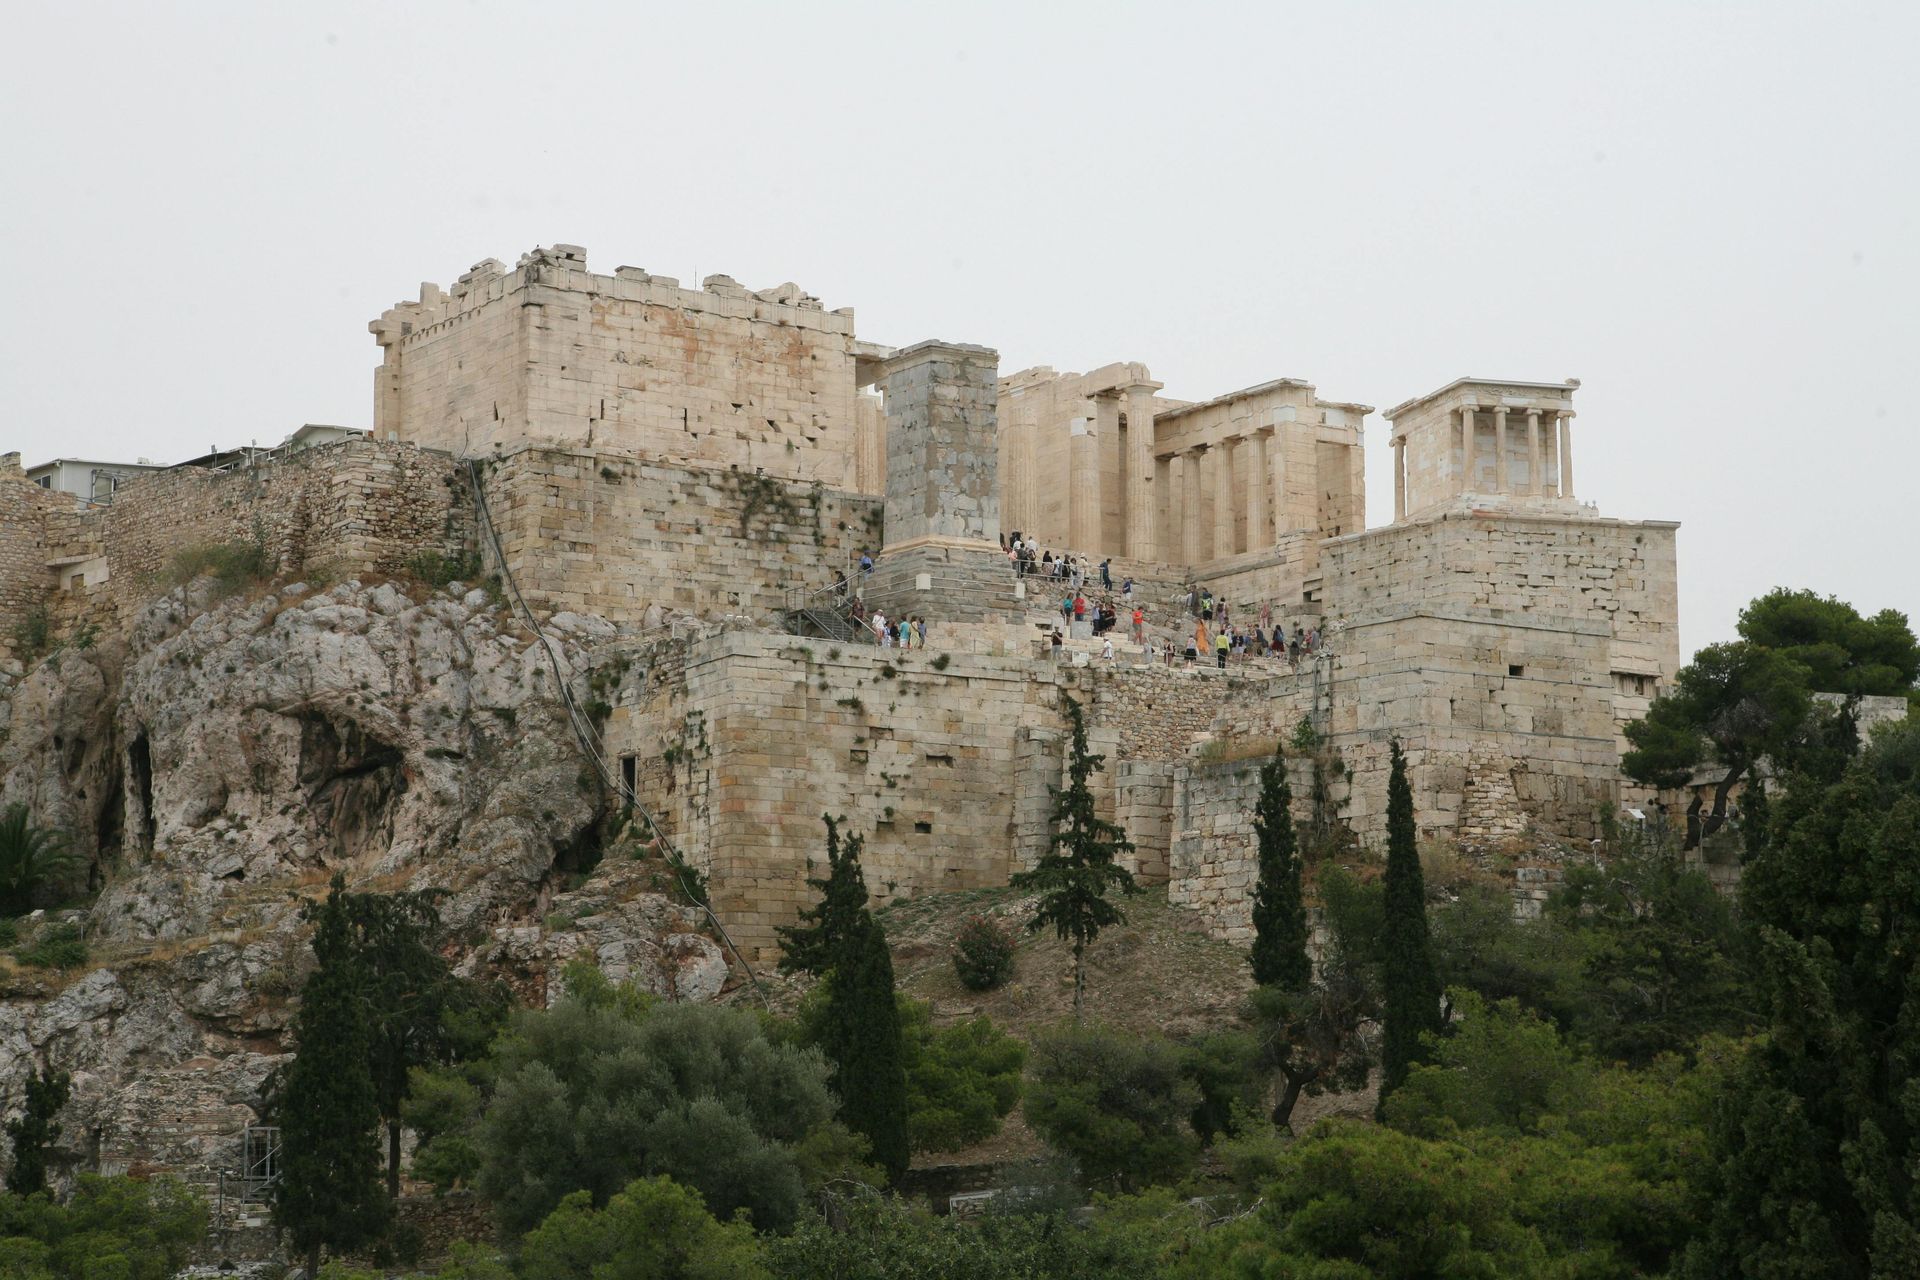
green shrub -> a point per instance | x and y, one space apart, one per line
32 634
59 946
982 954
961 1080
116 1228
233 566
1116 1102
437 569
9 933
654 1228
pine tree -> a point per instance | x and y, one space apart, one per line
864 1043
1410 986
34 1133
328 1193
1078 869
1279 956
811 947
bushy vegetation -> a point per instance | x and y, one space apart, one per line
233 566
109 1229
982 954
54 946
437 569
962 1080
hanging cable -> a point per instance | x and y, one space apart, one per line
584 732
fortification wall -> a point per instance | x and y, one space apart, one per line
27 516
551 354
358 506
941 761
1621 573
1213 861
1507 722
606 533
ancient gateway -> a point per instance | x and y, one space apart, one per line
693 466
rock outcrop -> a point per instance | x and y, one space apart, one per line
219 764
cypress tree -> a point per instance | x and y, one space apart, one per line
1279 956
839 940
410 989
828 925
1410 986
35 1132
1078 869
864 1043
328 1193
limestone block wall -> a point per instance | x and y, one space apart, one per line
1468 692
920 759
1621 573
1213 862
357 506
27 518
941 761
549 353
610 534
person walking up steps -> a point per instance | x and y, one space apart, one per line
1106 575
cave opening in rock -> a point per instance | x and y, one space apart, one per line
353 781
140 771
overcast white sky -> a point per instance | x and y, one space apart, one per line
1706 212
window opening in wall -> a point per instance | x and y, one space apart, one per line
1515 669
629 777
924 828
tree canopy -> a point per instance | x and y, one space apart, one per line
1841 651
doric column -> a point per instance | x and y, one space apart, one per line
1536 483
1083 487
1500 448
1400 478
1195 535
1140 472
1566 454
1224 505
1259 524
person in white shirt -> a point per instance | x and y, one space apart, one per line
1106 649
880 629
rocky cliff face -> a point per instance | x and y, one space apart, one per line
219 764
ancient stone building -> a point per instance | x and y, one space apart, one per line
686 464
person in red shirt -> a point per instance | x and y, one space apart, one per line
1139 625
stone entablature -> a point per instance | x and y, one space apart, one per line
548 353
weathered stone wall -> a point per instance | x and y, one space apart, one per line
28 515
608 534
359 506
1620 573
550 354
1471 695
1213 862
740 740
